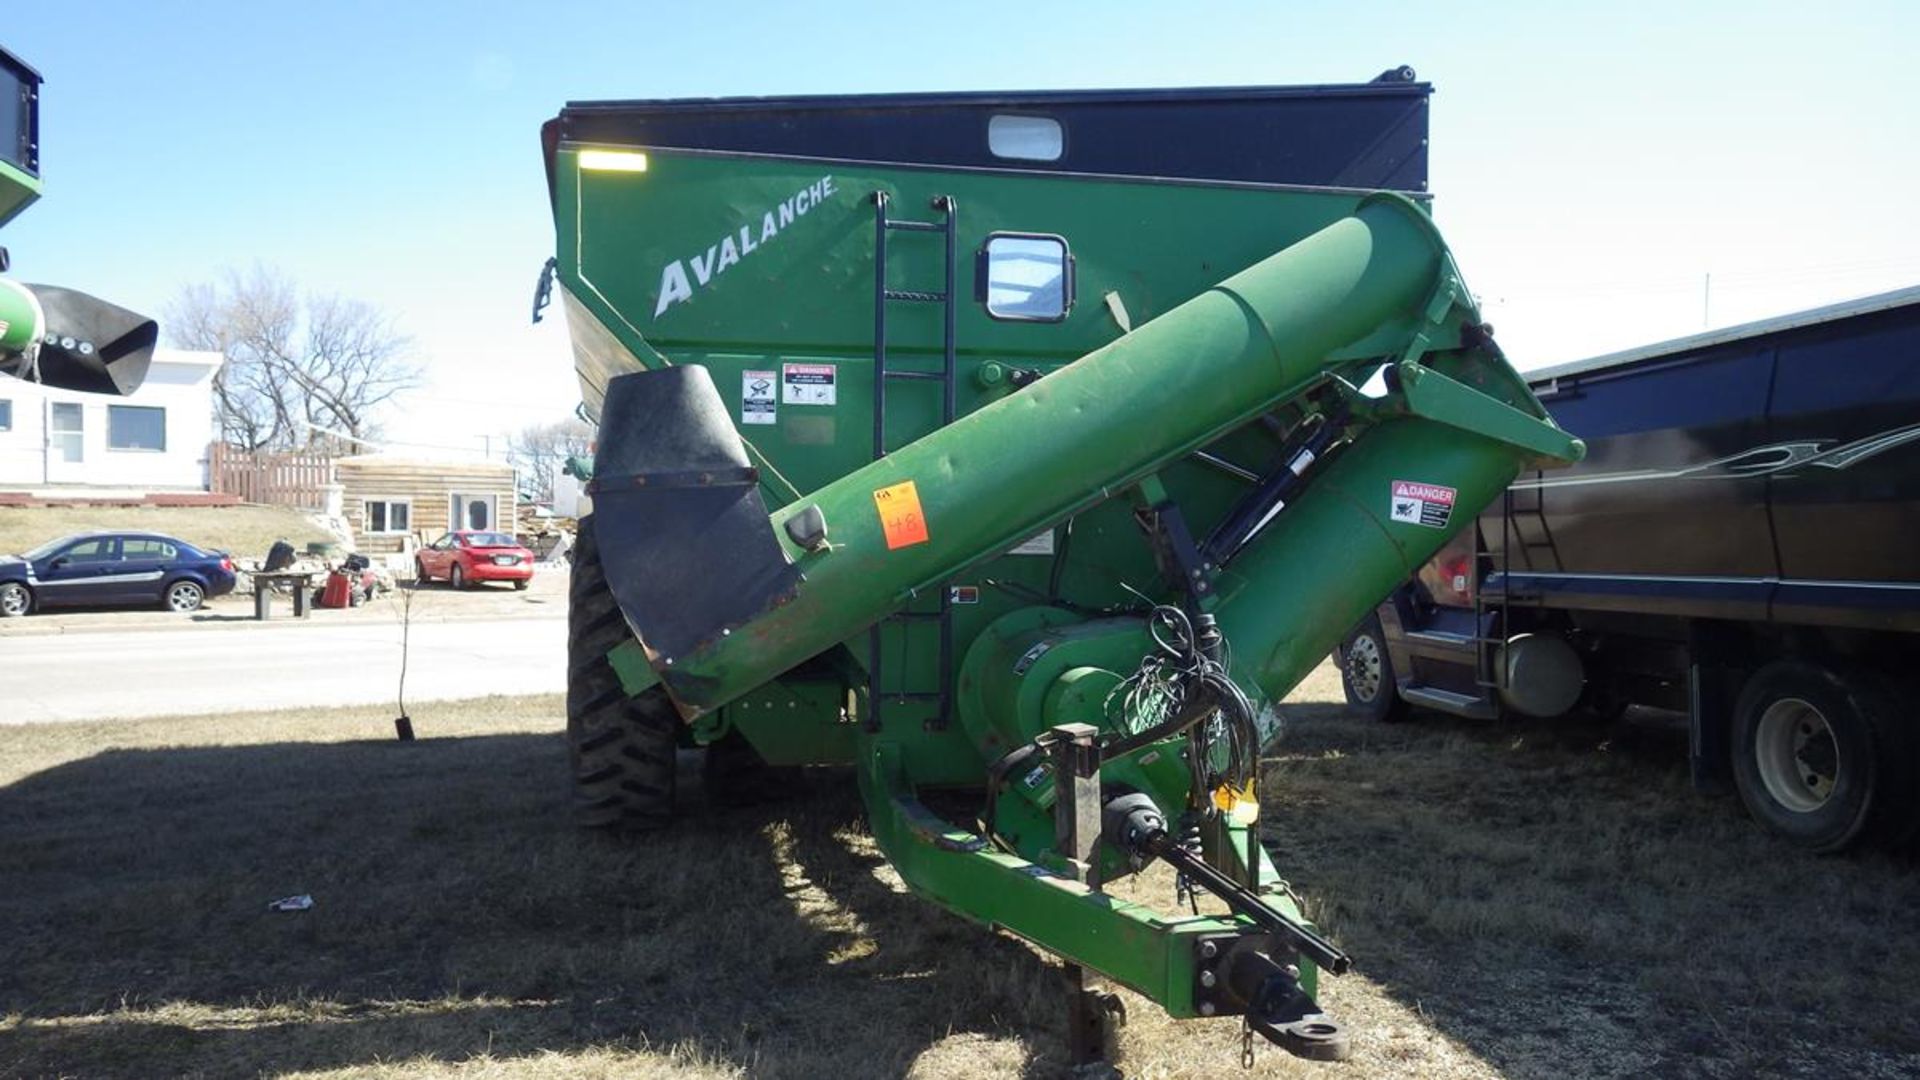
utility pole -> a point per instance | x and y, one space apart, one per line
1706 302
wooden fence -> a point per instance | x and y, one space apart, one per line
256 476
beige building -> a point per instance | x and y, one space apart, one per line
389 500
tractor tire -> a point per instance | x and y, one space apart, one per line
621 748
1819 756
1366 674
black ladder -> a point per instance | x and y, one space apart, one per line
1489 640
883 295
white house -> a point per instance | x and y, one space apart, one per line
152 440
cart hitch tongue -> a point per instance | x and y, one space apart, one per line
1281 1011
1248 976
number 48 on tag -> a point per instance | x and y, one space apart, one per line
901 520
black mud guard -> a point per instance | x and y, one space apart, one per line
682 530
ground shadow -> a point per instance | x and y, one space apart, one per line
1555 897
457 913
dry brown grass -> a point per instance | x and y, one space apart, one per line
1520 904
243 531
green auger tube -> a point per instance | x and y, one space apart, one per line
968 491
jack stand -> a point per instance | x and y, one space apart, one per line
1094 1017
1094 1020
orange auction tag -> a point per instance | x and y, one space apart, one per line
900 516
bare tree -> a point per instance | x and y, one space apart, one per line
540 452
291 365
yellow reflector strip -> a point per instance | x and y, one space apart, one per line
612 161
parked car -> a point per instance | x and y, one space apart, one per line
112 568
471 555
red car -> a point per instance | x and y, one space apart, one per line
468 556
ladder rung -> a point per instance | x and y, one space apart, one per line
917 296
934 375
914 616
926 695
916 226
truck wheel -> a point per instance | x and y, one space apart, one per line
1814 755
1366 674
622 748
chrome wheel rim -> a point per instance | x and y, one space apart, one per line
1797 755
13 600
1364 667
183 597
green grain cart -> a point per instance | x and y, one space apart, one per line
1021 452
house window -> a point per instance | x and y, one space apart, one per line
1027 276
66 434
1025 138
387 517
136 427
6 415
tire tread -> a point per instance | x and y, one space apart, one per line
621 748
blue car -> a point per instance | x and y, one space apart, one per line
104 569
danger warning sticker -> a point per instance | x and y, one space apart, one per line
1422 504
900 518
756 397
807 384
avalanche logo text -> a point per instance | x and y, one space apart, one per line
676 285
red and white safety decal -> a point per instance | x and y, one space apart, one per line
1415 503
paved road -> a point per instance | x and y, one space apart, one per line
117 674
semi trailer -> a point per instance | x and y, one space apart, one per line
1011 450
1738 545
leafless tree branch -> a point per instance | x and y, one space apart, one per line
540 452
292 365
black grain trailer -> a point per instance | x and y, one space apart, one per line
1742 543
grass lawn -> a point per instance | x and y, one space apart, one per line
1519 902
243 531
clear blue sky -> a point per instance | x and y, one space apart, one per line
1591 163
